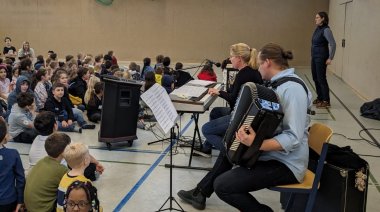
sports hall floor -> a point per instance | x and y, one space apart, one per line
135 178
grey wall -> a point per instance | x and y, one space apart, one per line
358 64
186 30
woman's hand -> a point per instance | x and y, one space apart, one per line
213 92
244 137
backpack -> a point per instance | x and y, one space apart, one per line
371 109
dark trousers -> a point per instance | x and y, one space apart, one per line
318 70
218 112
95 117
27 136
9 207
233 185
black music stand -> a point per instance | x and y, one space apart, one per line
171 198
159 102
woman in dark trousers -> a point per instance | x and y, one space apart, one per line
322 52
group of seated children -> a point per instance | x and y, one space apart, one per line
50 183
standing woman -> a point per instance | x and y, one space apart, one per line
322 52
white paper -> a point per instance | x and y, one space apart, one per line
203 83
188 91
162 107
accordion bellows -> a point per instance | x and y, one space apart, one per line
259 107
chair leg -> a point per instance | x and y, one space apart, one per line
290 202
310 201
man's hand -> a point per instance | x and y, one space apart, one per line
244 137
99 168
328 61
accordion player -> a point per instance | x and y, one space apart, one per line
259 107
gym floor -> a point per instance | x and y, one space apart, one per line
135 178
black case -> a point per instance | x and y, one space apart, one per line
337 192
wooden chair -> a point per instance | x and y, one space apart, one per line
319 136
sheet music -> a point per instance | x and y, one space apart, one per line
162 107
188 91
203 83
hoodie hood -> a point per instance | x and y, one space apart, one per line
20 80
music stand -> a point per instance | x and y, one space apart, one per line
159 102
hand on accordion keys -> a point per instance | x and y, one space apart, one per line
246 135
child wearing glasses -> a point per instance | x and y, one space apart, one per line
81 196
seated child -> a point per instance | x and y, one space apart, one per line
12 179
94 106
62 109
5 83
207 73
82 195
43 180
78 158
21 119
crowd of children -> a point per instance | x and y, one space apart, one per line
40 97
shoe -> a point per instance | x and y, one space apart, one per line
88 126
316 101
193 197
323 104
78 129
203 153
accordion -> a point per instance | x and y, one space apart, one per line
259 107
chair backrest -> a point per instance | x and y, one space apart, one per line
318 135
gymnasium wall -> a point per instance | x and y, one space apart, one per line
186 30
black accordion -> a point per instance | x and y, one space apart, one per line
259 107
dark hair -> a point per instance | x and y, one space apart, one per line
98 58
325 17
107 57
3 129
98 87
37 77
208 69
53 56
110 53
57 73
82 71
166 61
69 57
113 67
107 64
178 66
146 61
25 63
277 54
40 58
89 189
56 143
150 79
44 123
159 70
159 58
51 51
5 39
25 99
57 85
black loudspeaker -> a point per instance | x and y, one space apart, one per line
120 110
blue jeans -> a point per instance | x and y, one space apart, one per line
214 132
78 116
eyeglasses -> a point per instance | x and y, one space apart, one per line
81 204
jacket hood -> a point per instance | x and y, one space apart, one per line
20 80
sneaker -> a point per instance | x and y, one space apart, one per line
203 153
88 126
323 104
316 101
193 197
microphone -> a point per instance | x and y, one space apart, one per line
213 63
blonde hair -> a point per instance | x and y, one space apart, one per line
75 154
90 88
248 54
126 75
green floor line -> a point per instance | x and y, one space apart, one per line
374 182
